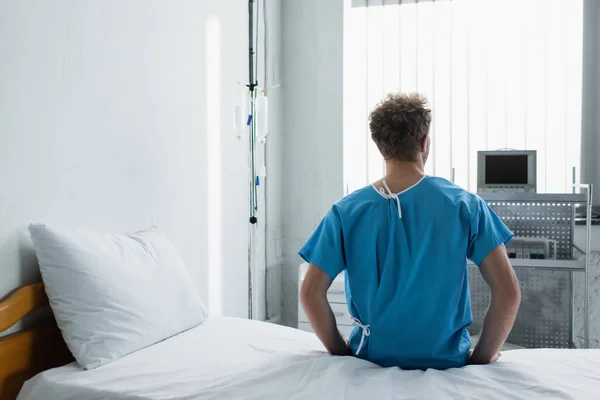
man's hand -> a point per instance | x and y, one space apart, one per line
313 295
476 361
506 298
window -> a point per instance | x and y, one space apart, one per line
498 74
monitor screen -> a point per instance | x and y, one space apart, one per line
506 169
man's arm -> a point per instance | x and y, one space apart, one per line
506 298
313 296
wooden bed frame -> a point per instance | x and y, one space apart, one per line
29 352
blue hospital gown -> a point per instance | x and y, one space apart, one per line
406 269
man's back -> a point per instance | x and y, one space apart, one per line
406 269
405 257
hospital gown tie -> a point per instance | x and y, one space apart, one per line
391 196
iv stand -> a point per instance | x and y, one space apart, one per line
252 85
254 91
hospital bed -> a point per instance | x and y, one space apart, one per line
229 358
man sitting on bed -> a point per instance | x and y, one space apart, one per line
403 243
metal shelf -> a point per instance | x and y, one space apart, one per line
557 265
549 281
536 197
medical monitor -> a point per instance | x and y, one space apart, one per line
506 171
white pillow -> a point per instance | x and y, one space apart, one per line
115 294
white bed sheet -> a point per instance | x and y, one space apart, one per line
227 358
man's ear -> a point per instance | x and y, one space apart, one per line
425 144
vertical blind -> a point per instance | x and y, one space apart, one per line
498 74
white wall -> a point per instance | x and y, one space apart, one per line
313 117
104 107
274 155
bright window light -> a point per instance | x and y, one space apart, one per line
498 74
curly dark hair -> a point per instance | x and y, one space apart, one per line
399 124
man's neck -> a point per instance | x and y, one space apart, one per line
401 175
